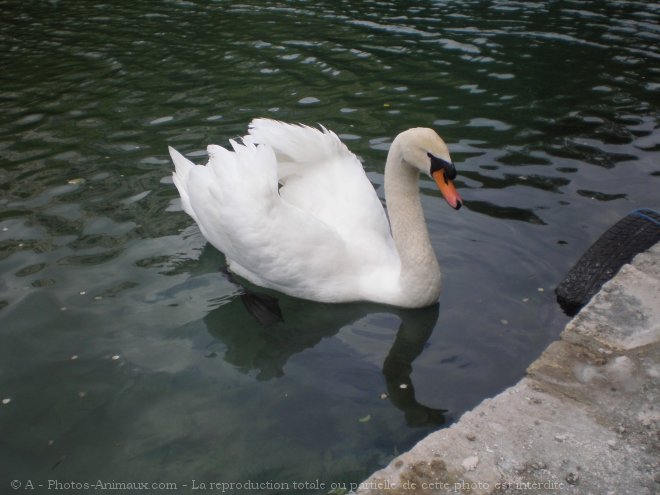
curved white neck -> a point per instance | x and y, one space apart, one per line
420 273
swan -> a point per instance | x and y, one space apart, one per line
293 210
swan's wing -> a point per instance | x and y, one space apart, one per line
234 199
319 175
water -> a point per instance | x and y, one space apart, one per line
125 355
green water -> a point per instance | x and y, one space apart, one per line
126 355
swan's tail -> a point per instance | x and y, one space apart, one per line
182 166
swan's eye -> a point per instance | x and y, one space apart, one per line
440 164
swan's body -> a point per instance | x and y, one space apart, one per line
292 210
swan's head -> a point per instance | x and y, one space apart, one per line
424 150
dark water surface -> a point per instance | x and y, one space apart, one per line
125 355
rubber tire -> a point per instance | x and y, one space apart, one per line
633 234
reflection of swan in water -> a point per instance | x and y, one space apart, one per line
415 329
252 347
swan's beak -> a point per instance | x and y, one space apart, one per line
448 189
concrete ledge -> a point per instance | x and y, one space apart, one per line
585 420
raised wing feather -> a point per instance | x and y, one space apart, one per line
319 175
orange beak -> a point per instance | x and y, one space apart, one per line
448 189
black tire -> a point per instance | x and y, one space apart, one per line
633 234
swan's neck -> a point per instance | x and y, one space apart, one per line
420 273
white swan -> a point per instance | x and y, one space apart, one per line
292 210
